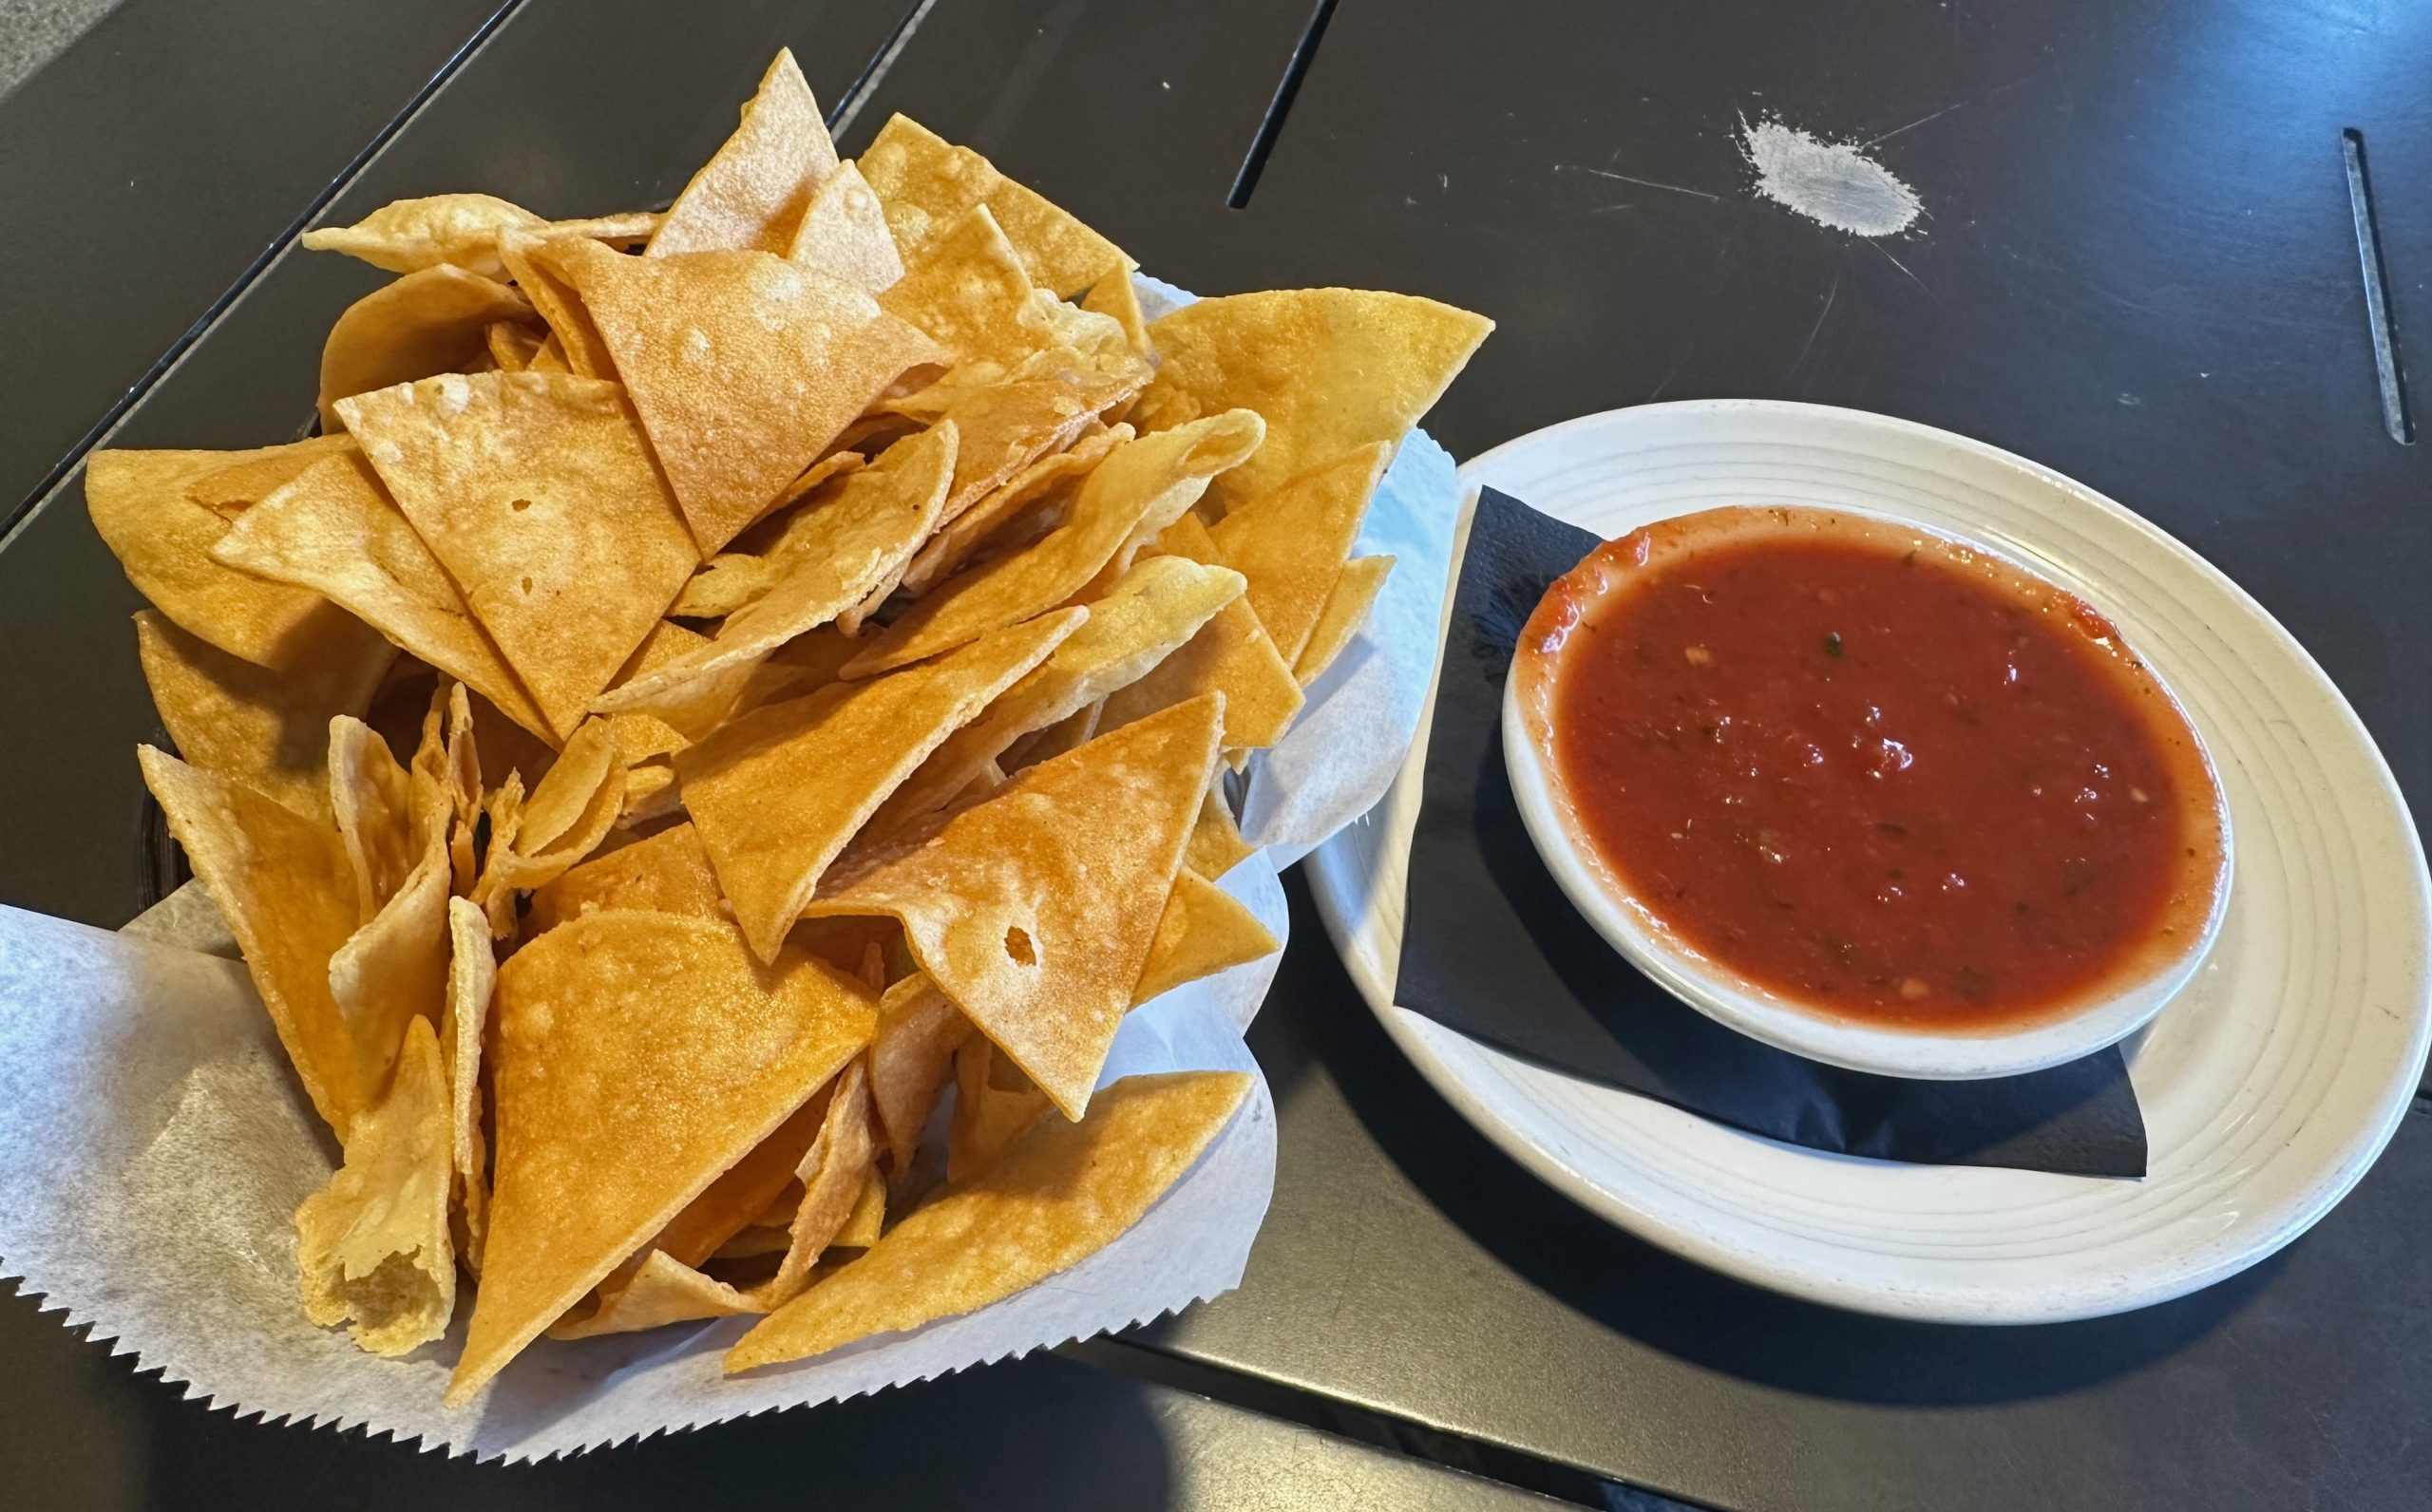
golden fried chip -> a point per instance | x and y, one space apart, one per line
1291 543
461 230
1068 734
844 234
910 1053
1114 297
639 736
967 289
751 194
1154 609
371 801
373 1244
512 344
282 883
831 1172
1216 844
573 345
638 1057
666 873
975 529
662 1290
1330 369
1034 910
1153 479
1060 1195
551 356
877 519
1205 930
333 529
994 1105
569 814
503 806
927 184
538 494
269 729
1230 654
1355 593
742 366
429 322
162 540
777 792
395 968
768 552
473 974
868 1220
230 491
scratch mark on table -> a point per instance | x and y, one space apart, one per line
1665 384
1607 173
1818 329
1914 125
1904 268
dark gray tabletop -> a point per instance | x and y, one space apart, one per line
2137 264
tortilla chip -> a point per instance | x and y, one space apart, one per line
1205 930
872 526
373 1244
162 538
569 814
372 799
751 194
504 807
831 1172
573 345
1291 544
459 230
975 528
1070 733
333 529
868 1220
666 873
637 1056
844 234
1155 608
767 552
429 322
641 737
1114 297
742 366
778 792
473 974
538 494
395 968
1355 594
512 344
1230 654
1153 479
1216 844
1330 369
661 1291
994 1105
968 290
1034 910
282 883
910 1054
926 184
1060 1195
1005 427
230 491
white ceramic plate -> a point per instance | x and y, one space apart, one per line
2269 1086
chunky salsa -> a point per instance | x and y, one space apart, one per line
1874 772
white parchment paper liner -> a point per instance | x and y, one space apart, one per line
153 1144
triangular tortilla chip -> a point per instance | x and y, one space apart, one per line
910 1054
1114 296
1153 479
270 730
661 1291
537 494
968 290
371 798
927 184
742 366
1205 930
769 551
429 322
994 1105
973 530
463 230
230 491
575 345
1155 608
373 1245
776 793
831 1173
1216 844
1355 593
1330 369
1060 1195
642 737
666 873
333 529
868 1220
637 1056
751 194
282 883
1035 909
473 974
1230 654
162 538
1291 544
395 968
844 234
866 532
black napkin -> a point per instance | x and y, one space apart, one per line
1492 948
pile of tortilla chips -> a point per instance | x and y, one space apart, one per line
704 750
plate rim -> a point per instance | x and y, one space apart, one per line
2323 1189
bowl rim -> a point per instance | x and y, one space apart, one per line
1722 995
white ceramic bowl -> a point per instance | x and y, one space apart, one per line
2108 1013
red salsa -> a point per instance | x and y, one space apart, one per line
1873 772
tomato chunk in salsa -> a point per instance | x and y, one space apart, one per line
1876 773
